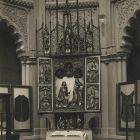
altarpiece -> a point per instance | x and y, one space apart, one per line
69 64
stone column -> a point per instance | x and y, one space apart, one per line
119 71
27 74
33 83
104 22
112 78
124 70
104 99
23 73
39 6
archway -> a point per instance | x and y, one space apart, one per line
11 45
10 68
132 42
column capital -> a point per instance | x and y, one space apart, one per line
28 60
23 59
120 56
123 55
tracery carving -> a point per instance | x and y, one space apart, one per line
70 33
125 9
22 3
82 4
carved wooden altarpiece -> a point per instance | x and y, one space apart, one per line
92 84
45 84
69 84
69 121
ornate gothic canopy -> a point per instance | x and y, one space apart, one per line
70 30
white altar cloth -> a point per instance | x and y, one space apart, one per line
67 135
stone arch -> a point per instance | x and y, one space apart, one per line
129 31
131 42
10 65
15 35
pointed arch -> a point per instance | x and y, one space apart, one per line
131 41
10 42
14 34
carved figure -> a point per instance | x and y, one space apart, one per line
46 39
77 92
92 71
79 122
71 123
92 98
61 123
63 95
68 38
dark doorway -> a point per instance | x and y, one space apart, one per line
133 66
10 69
10 73
133 62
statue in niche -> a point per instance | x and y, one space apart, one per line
60 123
77 92
71 123
46 39
67 125
68 38
92 97
63 95
41 75
68 67
79 122
92 71
47 73
44 73
45 97
89 37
